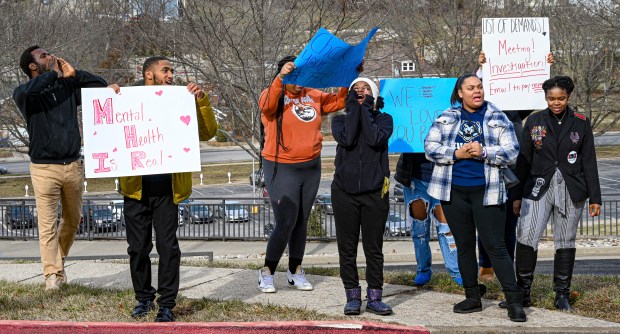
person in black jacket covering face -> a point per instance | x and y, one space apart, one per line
48 102
359 192
558 173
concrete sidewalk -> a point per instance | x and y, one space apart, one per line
412 307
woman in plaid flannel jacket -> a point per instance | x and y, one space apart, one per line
469 143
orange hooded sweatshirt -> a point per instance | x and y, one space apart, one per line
301 121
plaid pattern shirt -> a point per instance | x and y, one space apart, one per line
500 143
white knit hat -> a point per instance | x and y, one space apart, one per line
373 86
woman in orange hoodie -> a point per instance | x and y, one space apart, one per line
291 116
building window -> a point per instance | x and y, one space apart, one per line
407 66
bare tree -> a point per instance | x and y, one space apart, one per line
590 56
233 46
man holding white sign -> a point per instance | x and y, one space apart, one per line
151 201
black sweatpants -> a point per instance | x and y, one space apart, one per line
156 210
291 192
466 214
352 212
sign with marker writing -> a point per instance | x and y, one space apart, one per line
327 61
143 130
414 104
516 52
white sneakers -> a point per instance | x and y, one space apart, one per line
297 280
265 281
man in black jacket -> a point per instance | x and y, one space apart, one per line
48 102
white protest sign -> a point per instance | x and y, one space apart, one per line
141 131
516 52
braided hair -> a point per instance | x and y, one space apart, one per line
279 116
280 108
560 81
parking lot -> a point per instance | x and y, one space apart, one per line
238 211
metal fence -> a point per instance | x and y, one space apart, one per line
238 219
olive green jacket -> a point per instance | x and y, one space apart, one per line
131 186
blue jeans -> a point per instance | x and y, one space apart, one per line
421 231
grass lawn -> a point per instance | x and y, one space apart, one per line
592 296
78 303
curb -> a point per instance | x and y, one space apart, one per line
292 327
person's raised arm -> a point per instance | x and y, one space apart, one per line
80 79
268 101
346 128
207 124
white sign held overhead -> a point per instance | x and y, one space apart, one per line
141 131
516 61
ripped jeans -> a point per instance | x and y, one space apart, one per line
421 231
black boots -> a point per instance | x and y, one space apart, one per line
563 263
514 301
473 300
354 301
525 257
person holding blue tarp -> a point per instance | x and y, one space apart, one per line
291 117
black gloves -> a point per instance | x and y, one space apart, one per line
379 104
352 103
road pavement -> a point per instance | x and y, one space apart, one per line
228 154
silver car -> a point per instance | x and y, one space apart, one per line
396 225
234 212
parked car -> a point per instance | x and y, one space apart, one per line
233 212
18 216
103 219
183 208
257 179
198 213
325 202
117 206
396 225
80 228
398 193
3 170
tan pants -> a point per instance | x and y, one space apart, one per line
54 183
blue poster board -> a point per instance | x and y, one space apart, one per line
414 104
327 61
